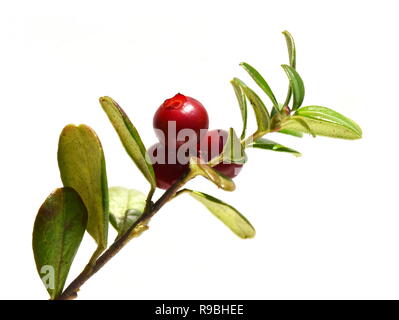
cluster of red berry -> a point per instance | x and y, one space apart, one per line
182 113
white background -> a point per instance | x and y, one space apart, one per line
327 223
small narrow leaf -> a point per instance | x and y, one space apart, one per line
201 169
291 48
296 84
233 152
261 113
261 82
129 137
125 207
292 58
233 219
325 122
273 146
82 167
57 233
242 102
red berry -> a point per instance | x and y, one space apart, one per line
180 112
212 146
169 165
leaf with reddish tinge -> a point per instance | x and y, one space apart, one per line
57 234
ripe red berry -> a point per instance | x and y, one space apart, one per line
180 112
169 165
212 146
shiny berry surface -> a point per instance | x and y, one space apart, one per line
186 113
212 145
168 167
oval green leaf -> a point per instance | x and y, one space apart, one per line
326 122
125 207
242 103
261 82
233 219
273 146
129 137
297 86
82 167
201 169
261 113
57 233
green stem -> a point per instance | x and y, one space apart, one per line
253 137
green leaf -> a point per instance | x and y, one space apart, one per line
261 113
82 167
201 169
291 132
304 123
225 213
129 137
292 58
296 84
125 207
291 48
325 122
233 152
242 102
57 233
261 82
274 146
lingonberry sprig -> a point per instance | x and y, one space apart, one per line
186 149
